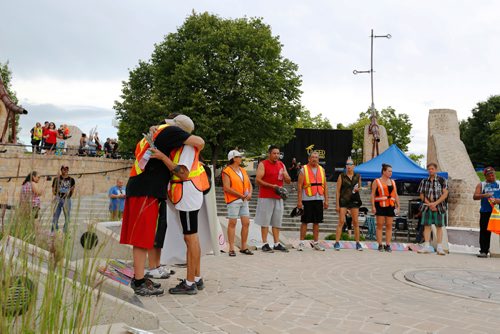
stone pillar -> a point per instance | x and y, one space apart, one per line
368 142
445 148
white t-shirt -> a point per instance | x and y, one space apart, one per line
192 199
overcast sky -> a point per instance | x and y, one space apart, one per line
69 58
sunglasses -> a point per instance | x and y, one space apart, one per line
349 164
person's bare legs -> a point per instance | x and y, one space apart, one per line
303 231
315 232
245 224
427 233
355 223
193 256
154 255
439 232
340 224
276 234
380 228
388 230
231 231
264 231
139 256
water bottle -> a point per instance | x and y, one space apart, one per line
355 188
144 160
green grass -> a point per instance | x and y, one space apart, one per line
481 175
58 298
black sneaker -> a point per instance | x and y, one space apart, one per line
380 248
146 288
155 285
280 248
183 289
267 249
200 285
387 248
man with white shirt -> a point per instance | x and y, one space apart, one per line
187 197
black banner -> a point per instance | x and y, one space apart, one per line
334 146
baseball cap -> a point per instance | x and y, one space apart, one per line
183 122
234 153
488 170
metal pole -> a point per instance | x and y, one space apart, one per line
371 72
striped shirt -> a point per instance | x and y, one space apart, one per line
433 190
28 194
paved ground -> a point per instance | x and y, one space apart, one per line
334 292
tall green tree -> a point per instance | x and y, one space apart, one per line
307 121
398 127
6 74
480 133
228 75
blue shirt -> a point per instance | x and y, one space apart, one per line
116 203
493 188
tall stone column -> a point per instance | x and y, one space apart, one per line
368 142
445 148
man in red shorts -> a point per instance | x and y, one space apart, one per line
145 188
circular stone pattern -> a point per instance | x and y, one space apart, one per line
469 283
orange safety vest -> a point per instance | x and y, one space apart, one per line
197 176
141 148
237 183
314 184
494 222
385 199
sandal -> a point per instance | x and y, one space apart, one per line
232 253
246 251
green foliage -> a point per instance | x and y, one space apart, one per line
309 236
398 127
228 75
481 132
416 157
306 121
344 236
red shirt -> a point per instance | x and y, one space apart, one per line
52 139
273 174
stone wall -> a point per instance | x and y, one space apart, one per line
368 142
16 162
445 148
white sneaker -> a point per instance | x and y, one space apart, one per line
426 250
301 247
167 269
440 251
318 247
157 273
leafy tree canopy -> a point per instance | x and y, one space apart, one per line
481 132
398 127
228 75
306 121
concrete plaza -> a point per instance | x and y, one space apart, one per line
337 292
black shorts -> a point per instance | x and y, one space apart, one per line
387 211
313 212
161 225
189 222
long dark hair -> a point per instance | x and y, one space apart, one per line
385 167
30 177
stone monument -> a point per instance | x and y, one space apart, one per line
445 148
8 111
375 139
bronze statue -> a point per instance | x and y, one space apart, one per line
373 129
8 107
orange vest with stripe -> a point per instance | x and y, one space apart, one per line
494 222
237 184
314 184
141 148
197 176
384 198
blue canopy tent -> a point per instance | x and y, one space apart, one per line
403 168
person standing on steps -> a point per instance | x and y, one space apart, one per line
237 193
348 198
385 203
271 174
313 197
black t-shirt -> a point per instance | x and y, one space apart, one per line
62 186
153 181
107 147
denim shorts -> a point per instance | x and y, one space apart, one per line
238 209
